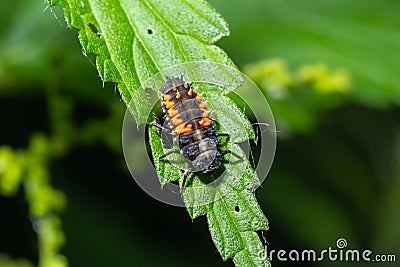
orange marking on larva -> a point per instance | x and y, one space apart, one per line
186 85
176 121
179 129
172 112
178 95
205 122
186 129
166 97
202 105
205 114
168 104
190 92
195 90
174 86
198 97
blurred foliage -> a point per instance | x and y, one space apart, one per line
30 168
298 98
338 175
361 36
5 260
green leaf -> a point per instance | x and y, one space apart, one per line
254 254
198 198
237 176
233 213
136 39
166 171
230 117
233 220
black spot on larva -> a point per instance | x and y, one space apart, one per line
94 29
237 208
149 31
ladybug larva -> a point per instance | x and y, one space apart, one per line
187 119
